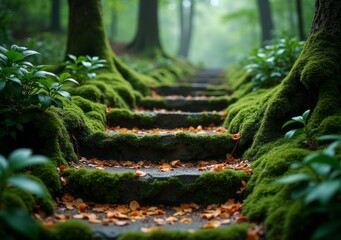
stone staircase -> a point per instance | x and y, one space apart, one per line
176 156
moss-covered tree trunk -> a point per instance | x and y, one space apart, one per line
313 83
147 40
86 36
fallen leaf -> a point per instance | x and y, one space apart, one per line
171 220
212 224
236 136
119 222
186 220
134 205
82 207
175 163
151 229
140 174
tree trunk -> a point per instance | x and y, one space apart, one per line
186 26
313 83
291 7
114 19
86 36
299 9
55 25
265 20
147 40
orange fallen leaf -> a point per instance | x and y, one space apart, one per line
134 205
212 224
175 163
82 207
236 136
140 174
186 220
159 221
151 229
119 222
171 220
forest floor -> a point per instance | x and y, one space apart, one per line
170 208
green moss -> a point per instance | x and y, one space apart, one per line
330 125
234 232
109 187
127 118
151 103
11 199
48 174
205 119
69 230
47 135
98 185
89 92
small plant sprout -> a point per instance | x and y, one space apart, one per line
302 120
83 67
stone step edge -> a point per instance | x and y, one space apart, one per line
105 187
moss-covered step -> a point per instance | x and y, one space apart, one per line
193 89
185 104
206 79
170 188
182 146
161 119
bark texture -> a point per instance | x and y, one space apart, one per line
55 25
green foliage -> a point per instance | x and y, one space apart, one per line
83 67
320 187
271 64
23 84
17 219
303 120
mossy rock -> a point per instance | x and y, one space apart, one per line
234 232
68 230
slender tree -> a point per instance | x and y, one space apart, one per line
300 22
147 39
55 25
265 20
186 27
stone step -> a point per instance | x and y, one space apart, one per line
195 89
158 145
119 200
207 80
149 186
163 119
194 104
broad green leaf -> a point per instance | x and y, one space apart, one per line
22 158
328 230
322 159
298 119
27 184
86 64
294 178
21 222
73 57
2 85
28 53
290 134
72 80
14 56
330 137
57 103
44 100
64 94
323 192
305 115
64 76
288 122
3 164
